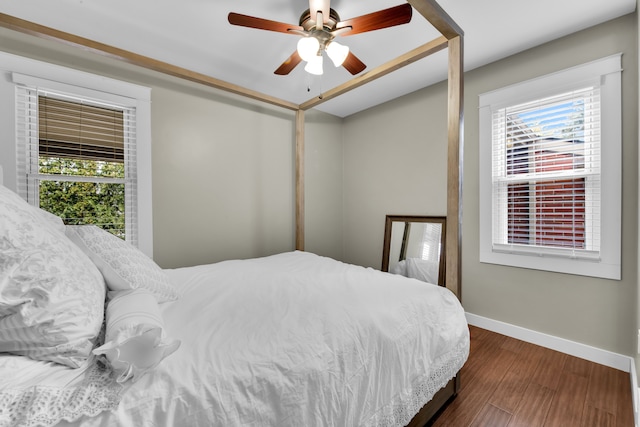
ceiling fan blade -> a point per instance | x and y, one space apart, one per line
353 64
323 6
386 18
288 65
262 24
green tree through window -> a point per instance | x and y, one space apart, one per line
80 202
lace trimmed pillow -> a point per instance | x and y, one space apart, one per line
123 265
135 341
51 294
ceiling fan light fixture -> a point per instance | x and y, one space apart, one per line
314 66
308 48
337 52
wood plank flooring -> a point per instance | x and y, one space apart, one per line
507 382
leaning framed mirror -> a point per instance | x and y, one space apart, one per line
414 247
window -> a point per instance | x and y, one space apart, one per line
83 166
550 172
82 146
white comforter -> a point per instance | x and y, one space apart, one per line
297 340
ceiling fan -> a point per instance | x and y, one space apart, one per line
319 26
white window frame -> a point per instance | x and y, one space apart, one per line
606 72
18 70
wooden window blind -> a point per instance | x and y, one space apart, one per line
78 130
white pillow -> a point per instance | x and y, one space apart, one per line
424 270
51 295
135 341
123 265
53 220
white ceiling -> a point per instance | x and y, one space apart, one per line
196 35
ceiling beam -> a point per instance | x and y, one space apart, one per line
410 57
437 17
48 33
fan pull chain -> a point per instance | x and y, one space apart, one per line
309 82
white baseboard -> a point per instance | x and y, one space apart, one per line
593 354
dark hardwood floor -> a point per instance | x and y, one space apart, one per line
507 382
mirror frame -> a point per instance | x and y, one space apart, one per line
390 219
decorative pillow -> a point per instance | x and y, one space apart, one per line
51 295
122 264
135 341
53 220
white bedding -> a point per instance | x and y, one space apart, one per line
296 340
417 268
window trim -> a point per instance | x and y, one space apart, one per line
608 71
26 71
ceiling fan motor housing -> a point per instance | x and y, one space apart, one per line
309 23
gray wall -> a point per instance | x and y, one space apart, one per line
394 156
323 184
222 178
597 312
395 163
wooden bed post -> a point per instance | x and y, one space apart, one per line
300 180
455 125
433 13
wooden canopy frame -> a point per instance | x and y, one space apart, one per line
451 38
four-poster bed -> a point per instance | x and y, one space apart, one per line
451 38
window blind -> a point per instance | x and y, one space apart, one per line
431 239
73 129
546 175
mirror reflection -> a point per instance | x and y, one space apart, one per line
414 247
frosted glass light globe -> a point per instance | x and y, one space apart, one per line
314 66
308 48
